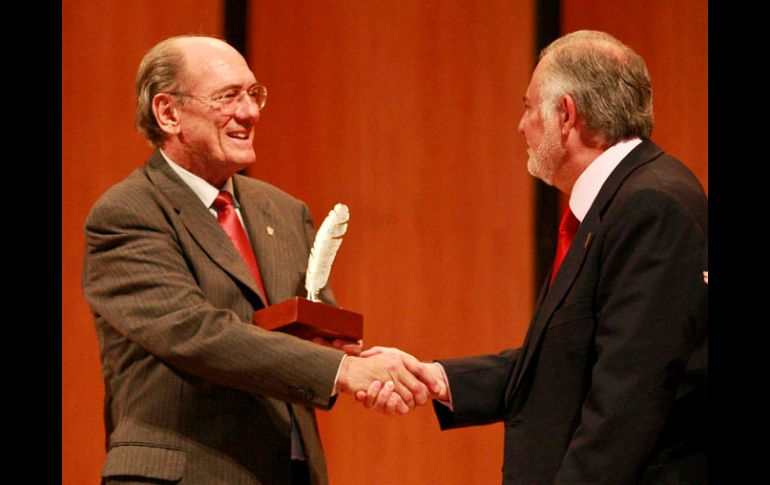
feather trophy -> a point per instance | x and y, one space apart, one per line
327 242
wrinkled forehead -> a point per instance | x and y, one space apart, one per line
213 64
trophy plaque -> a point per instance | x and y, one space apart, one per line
308 318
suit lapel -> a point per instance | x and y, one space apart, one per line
198 219
264 233
551 298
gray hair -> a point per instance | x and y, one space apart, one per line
162 70
608 82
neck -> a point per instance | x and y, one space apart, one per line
580 154
214 175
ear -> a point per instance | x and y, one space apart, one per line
164 107
568 116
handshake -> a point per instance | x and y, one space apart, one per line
391 380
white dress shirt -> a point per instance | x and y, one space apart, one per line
590 182
204 190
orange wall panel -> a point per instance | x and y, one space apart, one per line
102 44
407 112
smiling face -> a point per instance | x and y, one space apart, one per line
211 142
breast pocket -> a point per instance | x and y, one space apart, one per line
572 327
574 311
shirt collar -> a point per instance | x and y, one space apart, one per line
589 183
204 190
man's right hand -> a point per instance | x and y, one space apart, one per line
403 391
380 394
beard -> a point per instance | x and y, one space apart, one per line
546 157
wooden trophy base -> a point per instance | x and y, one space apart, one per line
308 319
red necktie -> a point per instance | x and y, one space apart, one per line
230 222
567 229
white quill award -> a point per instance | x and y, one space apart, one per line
309 317
327 242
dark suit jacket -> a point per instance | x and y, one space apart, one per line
194 392
609 386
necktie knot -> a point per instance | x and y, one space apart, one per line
567 230
223 201
569 223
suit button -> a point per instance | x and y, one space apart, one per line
298 393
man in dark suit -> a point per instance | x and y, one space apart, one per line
610 385
194 392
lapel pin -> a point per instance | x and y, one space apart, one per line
588 240
270 230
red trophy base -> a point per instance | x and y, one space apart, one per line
308 319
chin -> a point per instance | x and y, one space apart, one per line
243 158
536 170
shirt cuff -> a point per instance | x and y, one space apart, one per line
335 391
448 402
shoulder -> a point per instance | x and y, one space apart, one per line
657 219
667 174
662 186
132 197
251 190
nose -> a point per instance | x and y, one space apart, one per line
521 124
246 107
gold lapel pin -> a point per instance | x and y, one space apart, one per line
270 230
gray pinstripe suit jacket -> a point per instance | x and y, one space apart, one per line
194 393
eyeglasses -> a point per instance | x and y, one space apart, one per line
227 102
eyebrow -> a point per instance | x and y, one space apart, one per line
234 86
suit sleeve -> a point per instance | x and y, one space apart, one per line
477 385
649 294
138 281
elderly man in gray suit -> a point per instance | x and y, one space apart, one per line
178 257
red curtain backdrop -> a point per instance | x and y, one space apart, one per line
407 112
